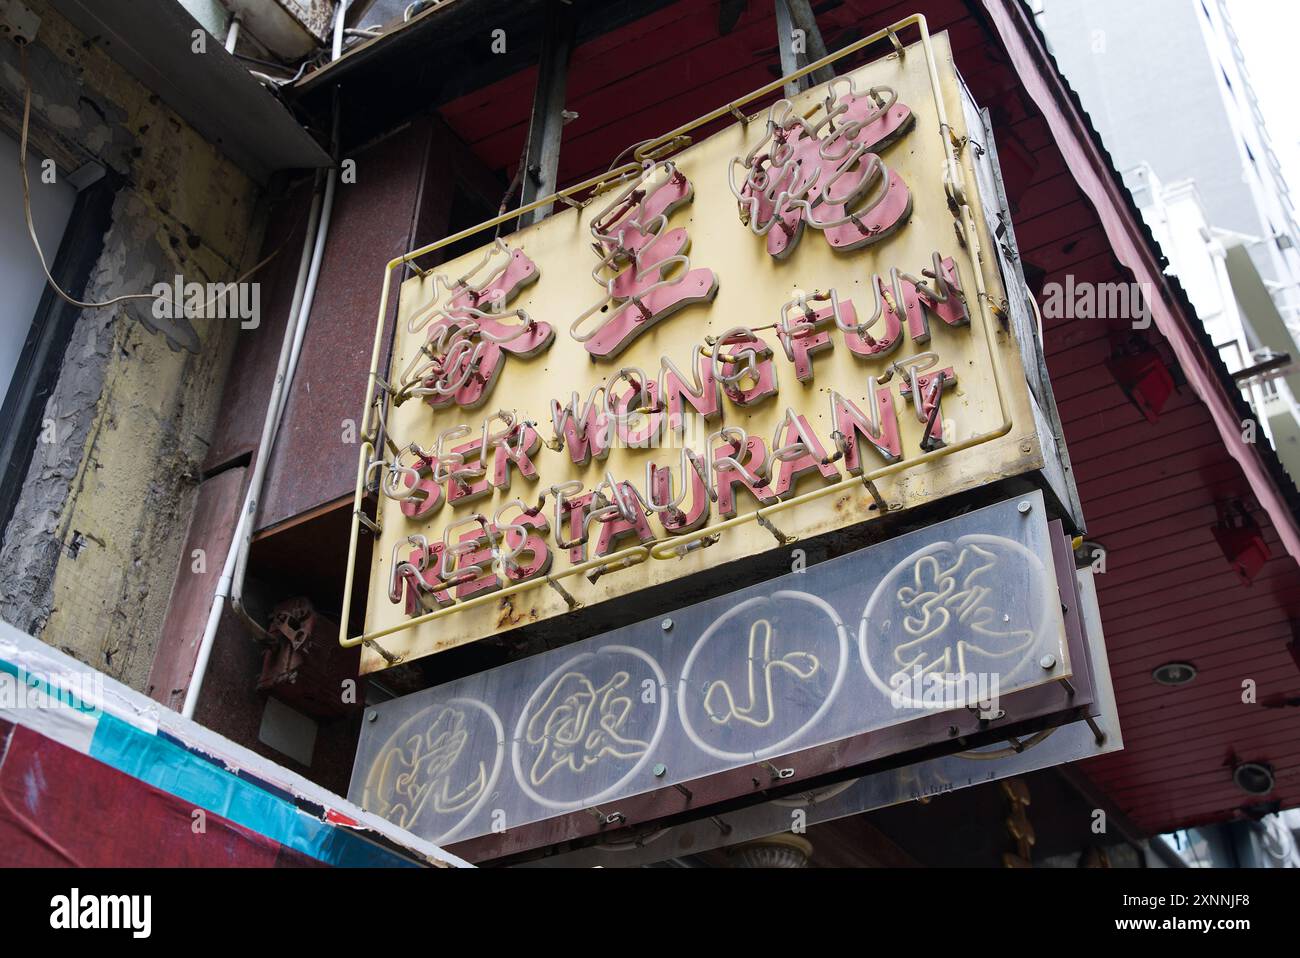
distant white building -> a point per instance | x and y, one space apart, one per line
1165 83
1233 302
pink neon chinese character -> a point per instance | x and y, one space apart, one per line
827 176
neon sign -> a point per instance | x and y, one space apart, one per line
733 388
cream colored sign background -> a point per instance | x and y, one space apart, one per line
751 289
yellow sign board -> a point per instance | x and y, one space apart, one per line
770 335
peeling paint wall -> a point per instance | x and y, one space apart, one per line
91 551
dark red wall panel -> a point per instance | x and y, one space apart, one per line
372 223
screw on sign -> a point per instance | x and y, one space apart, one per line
826 175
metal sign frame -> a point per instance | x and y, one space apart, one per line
374 437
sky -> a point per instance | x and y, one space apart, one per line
1267 31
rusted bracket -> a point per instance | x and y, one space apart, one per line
389 657
366 521
781 537
568 598
926 443
613 818
778 774
881 505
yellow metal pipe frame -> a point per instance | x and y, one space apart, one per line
672 546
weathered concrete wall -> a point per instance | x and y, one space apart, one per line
88 559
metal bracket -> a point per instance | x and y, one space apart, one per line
898 45
389 657
366 521
1097 732
778 774
781 537
613 818
567 596
881 505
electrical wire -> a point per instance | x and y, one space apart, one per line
31 226
27 202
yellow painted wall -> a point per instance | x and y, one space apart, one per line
108 502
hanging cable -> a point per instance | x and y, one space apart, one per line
31 226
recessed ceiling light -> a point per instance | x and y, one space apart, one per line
1174 673
1254 778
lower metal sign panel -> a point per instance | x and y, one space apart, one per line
952 616
916 782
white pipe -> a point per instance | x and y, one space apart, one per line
231 583
263 454
232 35
244 536
231 580
339 16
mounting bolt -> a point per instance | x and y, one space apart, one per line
1048 662
666 625
660 769
372 715
1024 507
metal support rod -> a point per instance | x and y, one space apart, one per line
785 44
542 154
804 19
1097 733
